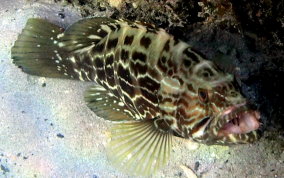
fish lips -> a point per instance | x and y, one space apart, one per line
238 120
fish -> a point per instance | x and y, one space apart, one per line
152 86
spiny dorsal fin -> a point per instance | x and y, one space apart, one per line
106 105
87 33
138 147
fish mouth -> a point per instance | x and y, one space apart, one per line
238 120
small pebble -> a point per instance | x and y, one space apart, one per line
60 135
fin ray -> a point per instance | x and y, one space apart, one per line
36 52
138 148
79 33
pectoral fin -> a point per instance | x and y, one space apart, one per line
139 148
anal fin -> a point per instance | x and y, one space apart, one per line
139 148
106 105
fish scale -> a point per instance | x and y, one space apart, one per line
152 85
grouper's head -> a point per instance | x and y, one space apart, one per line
217 112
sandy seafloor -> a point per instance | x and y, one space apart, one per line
46 130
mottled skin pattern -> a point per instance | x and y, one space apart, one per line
155 76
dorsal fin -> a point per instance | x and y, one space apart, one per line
87 33
106 105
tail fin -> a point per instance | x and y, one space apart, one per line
36 50
44 49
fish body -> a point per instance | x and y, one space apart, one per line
152 84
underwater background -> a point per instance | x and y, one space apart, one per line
46 129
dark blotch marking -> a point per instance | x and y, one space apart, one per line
163 59
170 72
231 86
139 56
102 33
181 115
145 41
98 48
207 72
112 27
149 83
124 73
149 95
176 40
109 60
153 73
187 62
191 55
162 65
124 55
128 40
112 43
129 89
164 100
167 46
118 27
101 75
183 101
190 87
87 62
180 80
99 63
170 63
138 68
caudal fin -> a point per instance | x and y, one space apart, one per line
37 52
44 49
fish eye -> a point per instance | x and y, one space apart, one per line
203 95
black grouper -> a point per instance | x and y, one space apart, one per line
150 84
